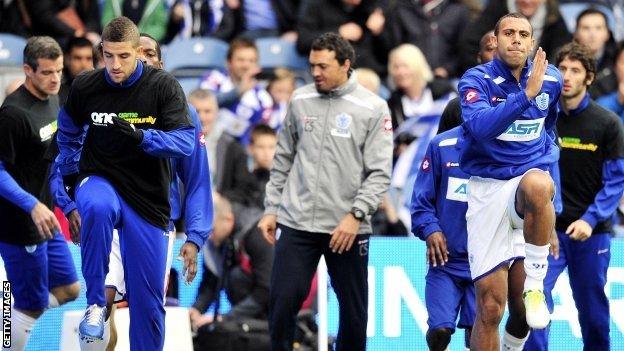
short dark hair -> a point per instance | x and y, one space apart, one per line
591 11
578 52
240 43
334 42
77 42
261 129
42 47
158 51
511 15
121 29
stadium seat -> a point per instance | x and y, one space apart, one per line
192 57
11 49
188 84
275 52
570 11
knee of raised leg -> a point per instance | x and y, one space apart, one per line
491 309
537 187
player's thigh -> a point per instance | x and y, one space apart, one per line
27 272
442 298
491 241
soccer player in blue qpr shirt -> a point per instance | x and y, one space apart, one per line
137 121
507 146
592 180
438 208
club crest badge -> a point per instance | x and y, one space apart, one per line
542 101
343 121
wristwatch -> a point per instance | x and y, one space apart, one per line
358 214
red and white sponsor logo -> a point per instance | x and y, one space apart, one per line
202 139
387 123
426 165
471 95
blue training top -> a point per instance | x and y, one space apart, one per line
439 199
504 133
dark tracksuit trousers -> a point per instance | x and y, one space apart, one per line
587 264
297 254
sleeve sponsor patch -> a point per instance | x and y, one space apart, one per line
387 123
426 165
471 95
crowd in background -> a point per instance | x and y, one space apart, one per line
411 52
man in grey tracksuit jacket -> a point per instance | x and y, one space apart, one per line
331 169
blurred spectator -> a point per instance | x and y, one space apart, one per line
200 18
78 59
262 147
592 31
243 102
227 158
266 18
350 19
549 28
615 100
14 18
13 85
434 27
280 87
150 16
417 96
368 79
474 6
63 19
238 260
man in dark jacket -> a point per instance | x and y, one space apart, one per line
349 19
434 27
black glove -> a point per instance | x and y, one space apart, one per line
69 182
128 129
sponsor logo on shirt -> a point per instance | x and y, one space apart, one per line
471 95
387 123
497 100
575 143
104 118
452 164
426 165
46 132
523 130
457 189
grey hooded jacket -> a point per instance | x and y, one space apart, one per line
334 153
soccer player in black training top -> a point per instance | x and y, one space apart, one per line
36 258
592 182
137 119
